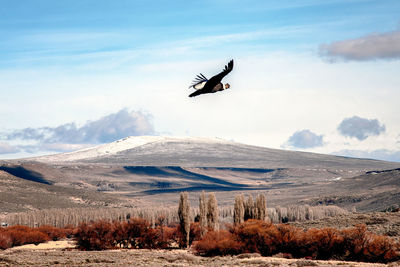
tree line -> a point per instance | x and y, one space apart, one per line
243 209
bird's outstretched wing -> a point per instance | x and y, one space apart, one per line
199 82
228 68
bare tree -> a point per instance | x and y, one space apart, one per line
203 212
238 212
249 208
212 212
184 216
260 207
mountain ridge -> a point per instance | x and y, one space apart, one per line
203 152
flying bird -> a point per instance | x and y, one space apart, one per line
204 86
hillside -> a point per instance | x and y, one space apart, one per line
17 195
153 169
205 152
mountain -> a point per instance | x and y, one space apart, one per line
204 152
154 168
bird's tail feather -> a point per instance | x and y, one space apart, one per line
198 92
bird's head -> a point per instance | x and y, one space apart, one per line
227 86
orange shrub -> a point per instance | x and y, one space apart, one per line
354 243
18 235
119 234
35 237
135 230
5 240
326 243
259 236
96 236
381 249
69 230
291 240
194 234
52 232
218 243
362 245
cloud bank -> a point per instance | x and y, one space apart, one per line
305 139
360 128
371 47
68 137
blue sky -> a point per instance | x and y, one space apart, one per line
309 75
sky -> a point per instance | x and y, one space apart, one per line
309 75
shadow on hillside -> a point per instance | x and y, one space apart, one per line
249 170
199 188
178 172
25 174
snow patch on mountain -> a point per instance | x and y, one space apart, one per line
122 145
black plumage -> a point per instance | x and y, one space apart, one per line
205 86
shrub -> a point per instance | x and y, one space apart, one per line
69 230
53 233
18 238
218 243
18 235
5 240
35 237
326 243
194 235
362 245
137 231
96 236
258 236
291 240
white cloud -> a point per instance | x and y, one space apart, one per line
370 47
360 128
305 139
68 137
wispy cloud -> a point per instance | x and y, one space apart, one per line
370 47
304 139
69 136
360 128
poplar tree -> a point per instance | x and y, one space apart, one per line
184 216
238 211
203 213
261 207
212 212
249 208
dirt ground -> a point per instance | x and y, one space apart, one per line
68 257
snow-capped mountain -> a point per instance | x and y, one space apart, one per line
204 152
121 145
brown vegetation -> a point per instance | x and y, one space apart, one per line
18 235
268 239
135 233
252 236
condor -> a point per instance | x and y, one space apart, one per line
204 86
